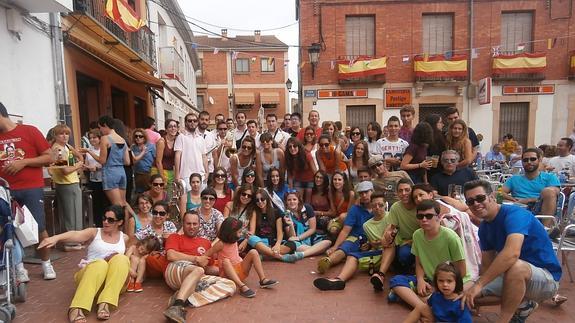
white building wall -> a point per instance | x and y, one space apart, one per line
27 82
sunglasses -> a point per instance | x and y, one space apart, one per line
376 165
247 195
220 175
309 134
428 216
529 159
208 198
158 184
324 145
138 136
109 220
247 147
260 199
159 213
250 175
479 199
450 160
356 133
191 120
292 146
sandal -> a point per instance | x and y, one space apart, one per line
377 280
329 284
78 317
558 299
103 312
268 283
248 293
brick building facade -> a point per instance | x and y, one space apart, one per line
242 73
376 55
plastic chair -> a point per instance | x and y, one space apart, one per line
504 177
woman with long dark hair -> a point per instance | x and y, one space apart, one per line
458 140
438 145
373 135
328 157
355 135
414 160
219 182
246 157
300 168
165 155
342 198
242 208
359 160
276 187
320 200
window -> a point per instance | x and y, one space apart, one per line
200 100
516 29
360 36
437 33
514 119
242 65
268 64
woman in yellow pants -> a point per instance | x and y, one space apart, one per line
105 269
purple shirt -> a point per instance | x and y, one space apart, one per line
405 133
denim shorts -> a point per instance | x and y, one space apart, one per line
114 177
540 287
33 198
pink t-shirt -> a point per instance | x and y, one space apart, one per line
230 251
153 136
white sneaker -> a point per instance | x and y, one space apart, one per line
49 272
22 275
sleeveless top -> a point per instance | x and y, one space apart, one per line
242 216
115 154
168 157
320 203
229 251
189 204
341 205
241 168
100 249
329 163
138 225
221 202
267 166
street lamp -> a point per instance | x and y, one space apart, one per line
313 52
289 84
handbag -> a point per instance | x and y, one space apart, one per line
25 226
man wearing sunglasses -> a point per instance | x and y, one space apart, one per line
535 188
450 174
190 152
385 182
433 244
518 262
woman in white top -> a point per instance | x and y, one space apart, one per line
105 268
99 200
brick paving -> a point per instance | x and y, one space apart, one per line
293 300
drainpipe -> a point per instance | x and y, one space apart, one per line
470 60
62 105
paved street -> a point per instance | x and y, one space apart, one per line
294 300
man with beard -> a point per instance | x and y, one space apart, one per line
535 188
241 129
190 152
209 137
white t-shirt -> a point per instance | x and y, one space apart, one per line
210 138
239 134
560 163
373 147
392 149
193 148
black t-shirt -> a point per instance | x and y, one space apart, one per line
441 181
266 227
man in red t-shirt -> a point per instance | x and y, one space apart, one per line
185 273
23 153
313 118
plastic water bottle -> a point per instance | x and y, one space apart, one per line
562 177
499 196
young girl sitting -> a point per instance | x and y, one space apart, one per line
442 305
232 266
137 254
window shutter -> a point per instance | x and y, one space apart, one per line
360 36
516 28
437 33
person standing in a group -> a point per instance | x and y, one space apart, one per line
407 114
150 128
313 118
191 153
392 147
24 152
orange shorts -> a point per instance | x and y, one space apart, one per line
238 269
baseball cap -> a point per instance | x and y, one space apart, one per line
374 160
364 186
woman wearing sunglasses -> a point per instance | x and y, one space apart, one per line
328 157
328 128
105 269
249 176
142 217
157 190
309 140
210 218
219 181
268 231
242 208
245 158
160 228
355 136
192 199
143 154
300 168
268 158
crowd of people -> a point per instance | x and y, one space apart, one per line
402 202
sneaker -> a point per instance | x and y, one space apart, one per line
392 297
323 265
289 258
176 313
130 286
49 272
558 299
22 275
523 311
138 287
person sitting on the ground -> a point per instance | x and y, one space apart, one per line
432 245
352 236
384 181
370 251
105 269
396 240
450 174
518 262
494 156
185 273
535 188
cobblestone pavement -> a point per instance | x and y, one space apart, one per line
293 300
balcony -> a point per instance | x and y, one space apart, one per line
439 68
172 69
518 67
140 42
361 70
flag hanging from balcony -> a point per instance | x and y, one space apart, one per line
361 67
519 63
125 16
442 66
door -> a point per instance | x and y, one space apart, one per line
120 106
360 115
427 109
514 119
88 100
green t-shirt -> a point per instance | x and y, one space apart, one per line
374 229
405 219
445 247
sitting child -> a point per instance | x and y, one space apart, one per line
232 266
443 305
137 254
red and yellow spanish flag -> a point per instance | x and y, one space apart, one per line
519 63
361 67
440 66
124 15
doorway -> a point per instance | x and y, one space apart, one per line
88 100
120 106
359 115
514 119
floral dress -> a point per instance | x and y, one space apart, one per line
148 231
209 228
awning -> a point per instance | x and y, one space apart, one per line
245 98
269 98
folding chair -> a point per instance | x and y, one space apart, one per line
504 177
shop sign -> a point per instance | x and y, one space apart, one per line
397 98
484 91
528 89
342 94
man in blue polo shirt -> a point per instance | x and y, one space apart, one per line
535 188
352 236
518 263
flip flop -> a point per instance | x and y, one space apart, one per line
79 317
377 281
103 312
328 284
